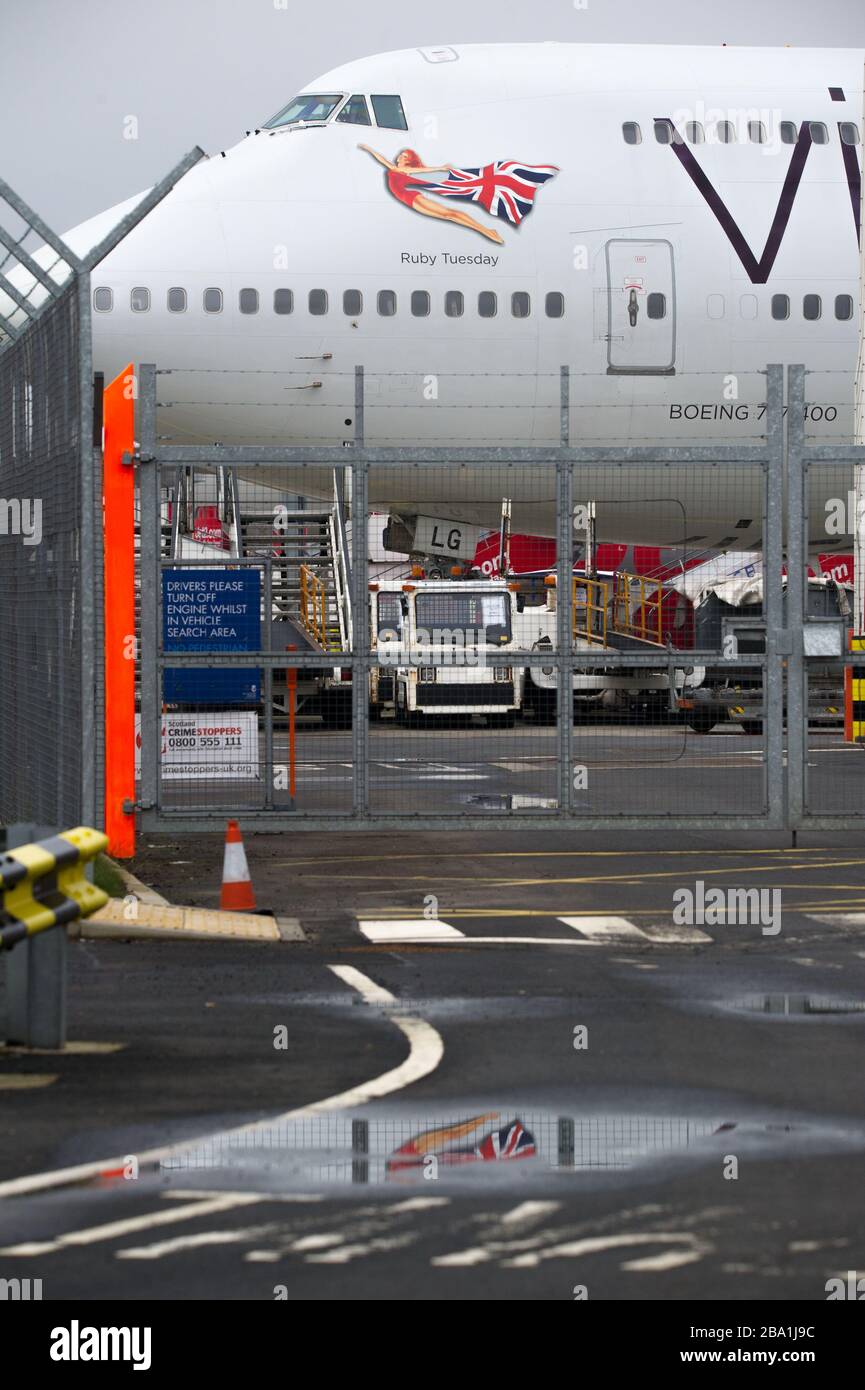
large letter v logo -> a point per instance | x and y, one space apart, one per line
758 271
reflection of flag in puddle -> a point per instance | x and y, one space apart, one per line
510 1141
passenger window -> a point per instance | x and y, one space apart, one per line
521 304
212 300
726 132
694 133
665 132
139 300
780 306
387 303
716 306
849 133
177 300
318 302
789 132
389 113
656 306
843 307
454 303
554 305
757 132
748 306
632 133
419 303
487 304
819 133
352 303
283 301
812 307
103 299
355 112
248 301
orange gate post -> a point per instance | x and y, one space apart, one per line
118 500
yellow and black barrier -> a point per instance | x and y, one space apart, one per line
855 695
43 885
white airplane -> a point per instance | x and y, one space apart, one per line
461 221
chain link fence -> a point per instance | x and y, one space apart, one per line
50 752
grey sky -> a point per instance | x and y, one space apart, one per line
203 71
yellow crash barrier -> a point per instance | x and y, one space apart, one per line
43 885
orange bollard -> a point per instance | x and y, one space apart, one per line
291 679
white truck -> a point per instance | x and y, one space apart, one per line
433 638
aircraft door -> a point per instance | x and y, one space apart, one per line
641 308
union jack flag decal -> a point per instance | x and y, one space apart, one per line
506 188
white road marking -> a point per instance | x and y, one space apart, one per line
426 1051
510 941
596 1245
839 919
476 1255
605 928
669 1259
528 1212
419 1204
426 1048
452 777
162 1216
159 1249
320 1241
409 929
616 929
671 933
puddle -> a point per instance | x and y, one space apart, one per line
494 1145
458 1008
511 801
797 1005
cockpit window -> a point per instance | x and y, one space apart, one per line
309 106
355 111
389 112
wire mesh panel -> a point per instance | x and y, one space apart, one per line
669 640
459 567
466 632
825 712
250 565
42 703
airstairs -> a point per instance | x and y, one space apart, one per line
305 549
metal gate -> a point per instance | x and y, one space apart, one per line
591 710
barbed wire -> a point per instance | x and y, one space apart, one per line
371 374
432 407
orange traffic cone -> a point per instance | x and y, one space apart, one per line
237 894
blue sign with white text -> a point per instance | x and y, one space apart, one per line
211 610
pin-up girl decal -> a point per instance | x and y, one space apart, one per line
505 189
404 183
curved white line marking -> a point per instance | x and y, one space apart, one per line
426 1050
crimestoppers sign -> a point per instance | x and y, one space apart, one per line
211 610
219 747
